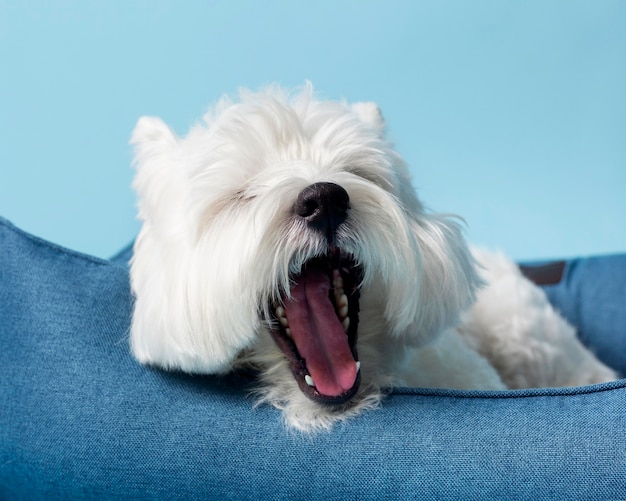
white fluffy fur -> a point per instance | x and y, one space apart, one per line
219 242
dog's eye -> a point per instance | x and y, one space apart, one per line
242 196
374 177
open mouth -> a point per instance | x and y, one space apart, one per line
316 327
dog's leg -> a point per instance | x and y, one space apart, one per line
516 328
448 362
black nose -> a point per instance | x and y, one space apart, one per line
324 206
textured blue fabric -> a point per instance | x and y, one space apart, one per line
592 296
80 419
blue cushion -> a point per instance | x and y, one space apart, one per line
79 418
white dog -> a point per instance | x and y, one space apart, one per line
283 234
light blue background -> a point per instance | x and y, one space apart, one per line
512 114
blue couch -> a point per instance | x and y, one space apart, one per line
80 419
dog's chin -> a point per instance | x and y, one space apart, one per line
315 325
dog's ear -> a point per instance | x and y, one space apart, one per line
152 130
182 280
370 113
158 182
448 278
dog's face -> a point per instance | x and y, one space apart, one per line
284 231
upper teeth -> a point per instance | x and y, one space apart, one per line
345 320
337 283
282 319
341 300
343 310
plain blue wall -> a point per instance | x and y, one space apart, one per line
512 114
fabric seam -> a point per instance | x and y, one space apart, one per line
58 249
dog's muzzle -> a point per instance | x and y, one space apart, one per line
315 325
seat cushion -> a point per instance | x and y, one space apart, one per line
592 296
79 418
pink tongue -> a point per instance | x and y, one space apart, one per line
318 335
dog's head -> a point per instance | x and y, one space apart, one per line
284 216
